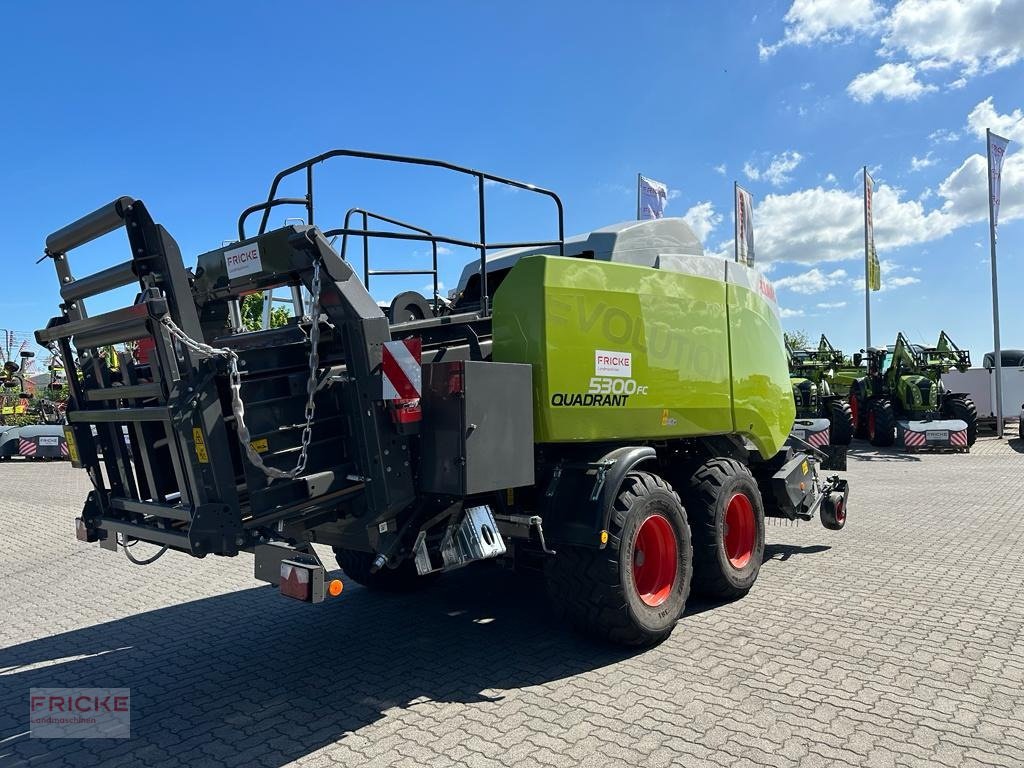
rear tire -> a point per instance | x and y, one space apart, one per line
881 423
963 408
634 590
357 565
841 421
727 520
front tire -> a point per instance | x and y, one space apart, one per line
881 423
727 519
963 408
841 419
634 590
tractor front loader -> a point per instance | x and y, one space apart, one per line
902 398
823 417
612 410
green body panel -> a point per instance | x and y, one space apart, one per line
844 378
911 400
625 352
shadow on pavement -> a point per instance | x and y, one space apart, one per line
785 551
251 678
860 451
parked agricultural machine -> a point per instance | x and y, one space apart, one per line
906 401
822 416
612 408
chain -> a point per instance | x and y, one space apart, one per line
235 381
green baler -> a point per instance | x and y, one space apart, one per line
611 409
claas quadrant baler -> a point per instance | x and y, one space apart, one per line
612 410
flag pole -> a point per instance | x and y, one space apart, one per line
995 290
638 177
736 220
867 269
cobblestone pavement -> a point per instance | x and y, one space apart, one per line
896 642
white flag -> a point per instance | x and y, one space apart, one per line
744 227
996 151
652 196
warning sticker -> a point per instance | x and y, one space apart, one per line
618 364
197 438
260 445
244 260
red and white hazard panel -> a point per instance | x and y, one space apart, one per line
400 369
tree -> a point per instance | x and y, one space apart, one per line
252 313
797 340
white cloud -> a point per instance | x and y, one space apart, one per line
702 219
830 179
720 169
828 21
889 81
830 304
962 37
786 313
942 136
821 224
920 163
778 169
811 282
674 194
973 35
984 115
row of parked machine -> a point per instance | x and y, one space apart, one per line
886 395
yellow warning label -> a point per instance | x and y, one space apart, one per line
510 496
69 438
260 446
804 467
197 438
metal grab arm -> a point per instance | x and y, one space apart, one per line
96 224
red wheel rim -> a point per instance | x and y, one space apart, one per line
740 531
853 410
840 512
655 559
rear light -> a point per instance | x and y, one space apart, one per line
302 581
405 411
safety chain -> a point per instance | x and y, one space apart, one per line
235 380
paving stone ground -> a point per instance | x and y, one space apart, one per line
896 642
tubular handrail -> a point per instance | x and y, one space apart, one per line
481 177
367 215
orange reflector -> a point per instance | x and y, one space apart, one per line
335 587
801 486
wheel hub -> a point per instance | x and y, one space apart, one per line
740 530
655 560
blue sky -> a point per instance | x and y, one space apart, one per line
193 108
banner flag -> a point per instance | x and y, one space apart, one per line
744 226
874 271
651 198
996 150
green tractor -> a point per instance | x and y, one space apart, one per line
902 397
811 372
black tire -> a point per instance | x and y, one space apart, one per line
881 423
833 511
962 407
357 565
409 306
859 412
717 572
597 589
841 431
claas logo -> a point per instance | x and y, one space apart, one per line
767 289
